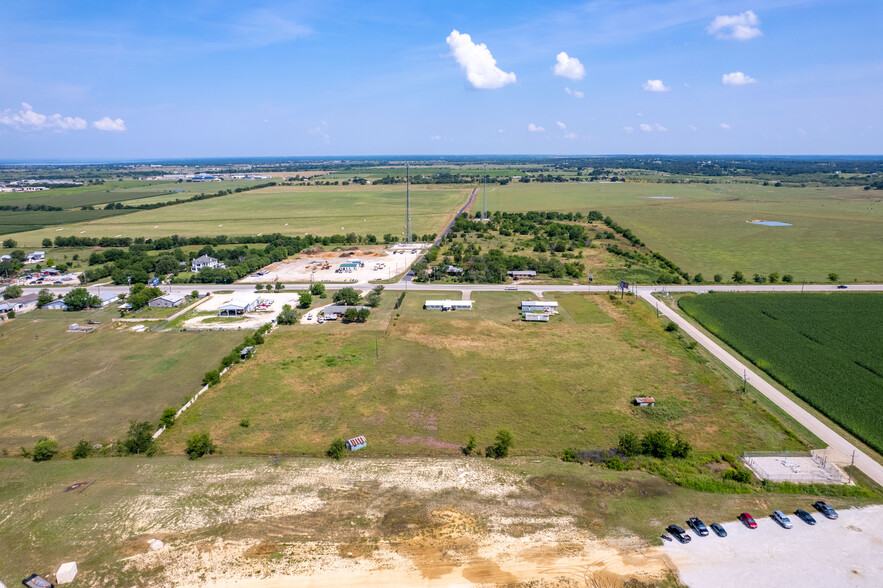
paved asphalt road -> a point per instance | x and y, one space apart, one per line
840 449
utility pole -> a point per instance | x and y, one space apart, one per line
484 180
852 466
744 381
408 203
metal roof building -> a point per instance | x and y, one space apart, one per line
448 304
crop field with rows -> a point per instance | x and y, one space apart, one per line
826 348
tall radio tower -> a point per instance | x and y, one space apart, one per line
408 230
484 207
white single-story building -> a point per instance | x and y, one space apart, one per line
107 298
516 274
448 304
19 305
539 306
336 311
204 261
57 304
536 317
170 300
36 256
5 257
239 305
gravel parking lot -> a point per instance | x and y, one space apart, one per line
833 554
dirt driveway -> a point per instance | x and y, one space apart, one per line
833 554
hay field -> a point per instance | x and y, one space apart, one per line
422 384
72 386
281 209
704 229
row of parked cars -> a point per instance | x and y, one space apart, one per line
700 529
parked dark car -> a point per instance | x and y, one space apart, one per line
698 526
718 530
826 510
805 516
679 534
748 520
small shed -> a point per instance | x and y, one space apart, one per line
356 443
645 401
243 355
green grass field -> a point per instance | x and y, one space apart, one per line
281 209
422 384
823 347
704 229
72 386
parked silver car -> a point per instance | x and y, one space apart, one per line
783 520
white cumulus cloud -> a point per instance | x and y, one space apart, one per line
646 128
567 134
628 129
535 129
740 27
28 120
655 86
561 125
110 124
568 67
481 67
725 126
574 93
435 138
737 78
654 127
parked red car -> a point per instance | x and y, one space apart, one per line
748 520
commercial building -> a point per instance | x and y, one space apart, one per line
239 306
518 274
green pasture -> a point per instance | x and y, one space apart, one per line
705 229
282 209
72 386
422 384
25 223
823 347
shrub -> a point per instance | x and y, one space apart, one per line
738 277
140 438
336 450
317 289
45 449
288 316
168 417
501 445
681 448
614 463
737 475
629 444
82 450
199 444
657 444
787 278
570 455
718 278
671 327
245 423
470 446
211 378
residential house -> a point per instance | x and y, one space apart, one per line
19 305
204 261
446 305
170 300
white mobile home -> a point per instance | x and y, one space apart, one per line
539 306
446 305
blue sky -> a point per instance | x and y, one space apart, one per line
159 79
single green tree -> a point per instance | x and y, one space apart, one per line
336 450
12 292
759 278
773 277
698 279
80 299
306 299
470 446
140 438
288 316
718 278
10 244
211 378
738 277
280 286
832 277
317 289
501 445
787 278
362 315
45 449
348 296
82 450
199 444
629 444
168 417
657 444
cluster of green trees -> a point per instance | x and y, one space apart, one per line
658 444
496 450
